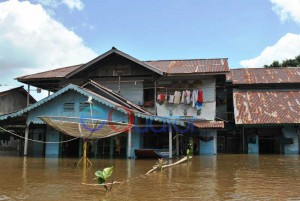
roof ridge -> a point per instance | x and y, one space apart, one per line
184 59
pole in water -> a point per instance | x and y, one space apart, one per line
84 158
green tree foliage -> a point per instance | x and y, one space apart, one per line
285 63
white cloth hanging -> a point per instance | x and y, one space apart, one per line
188 97
183 97
194 97
177 96
171 99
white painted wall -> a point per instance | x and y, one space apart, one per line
208 110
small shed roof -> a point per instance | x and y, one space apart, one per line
266 107
8 90
246 76
209 124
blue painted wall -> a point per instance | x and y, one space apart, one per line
290 132
35 148
52 150
253 144
55 107
211 146
136 142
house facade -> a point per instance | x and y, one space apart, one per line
11 100
266 107
181 101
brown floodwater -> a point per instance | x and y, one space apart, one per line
221 177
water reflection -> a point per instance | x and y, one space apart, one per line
221 177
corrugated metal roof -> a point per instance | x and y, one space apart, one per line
56 73
191 66
264 75
209 124
266 107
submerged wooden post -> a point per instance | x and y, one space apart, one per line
84 152
26 139
129 144
177 145
84 158
243 138
170 141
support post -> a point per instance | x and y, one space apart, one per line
84 152
26 139
170 141
155 95
95 149
111 146
129 144
28 94
177 145
243 138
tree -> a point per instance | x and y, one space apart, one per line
285 63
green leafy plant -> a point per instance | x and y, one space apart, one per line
103 175
188 153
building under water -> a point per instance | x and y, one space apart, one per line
168 105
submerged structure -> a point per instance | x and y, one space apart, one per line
170 105
266 107
127 107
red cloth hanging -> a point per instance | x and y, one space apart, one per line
200 96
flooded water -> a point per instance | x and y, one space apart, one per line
221 177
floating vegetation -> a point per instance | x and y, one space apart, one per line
159 165
103 175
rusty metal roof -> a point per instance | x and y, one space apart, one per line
266 107
264 75
209 124
194 66
56 73
191 66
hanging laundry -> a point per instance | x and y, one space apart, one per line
177 96
161 98
194 97
200 96
183 97
198 105
188 97
171 99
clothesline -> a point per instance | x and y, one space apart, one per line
194 97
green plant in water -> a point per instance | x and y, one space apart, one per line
188 152
103 175
160 163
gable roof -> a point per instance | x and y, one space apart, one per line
266 107
116 51
20 89
110 94
162 67
246 76
103 100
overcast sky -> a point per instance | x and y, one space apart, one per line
39 35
